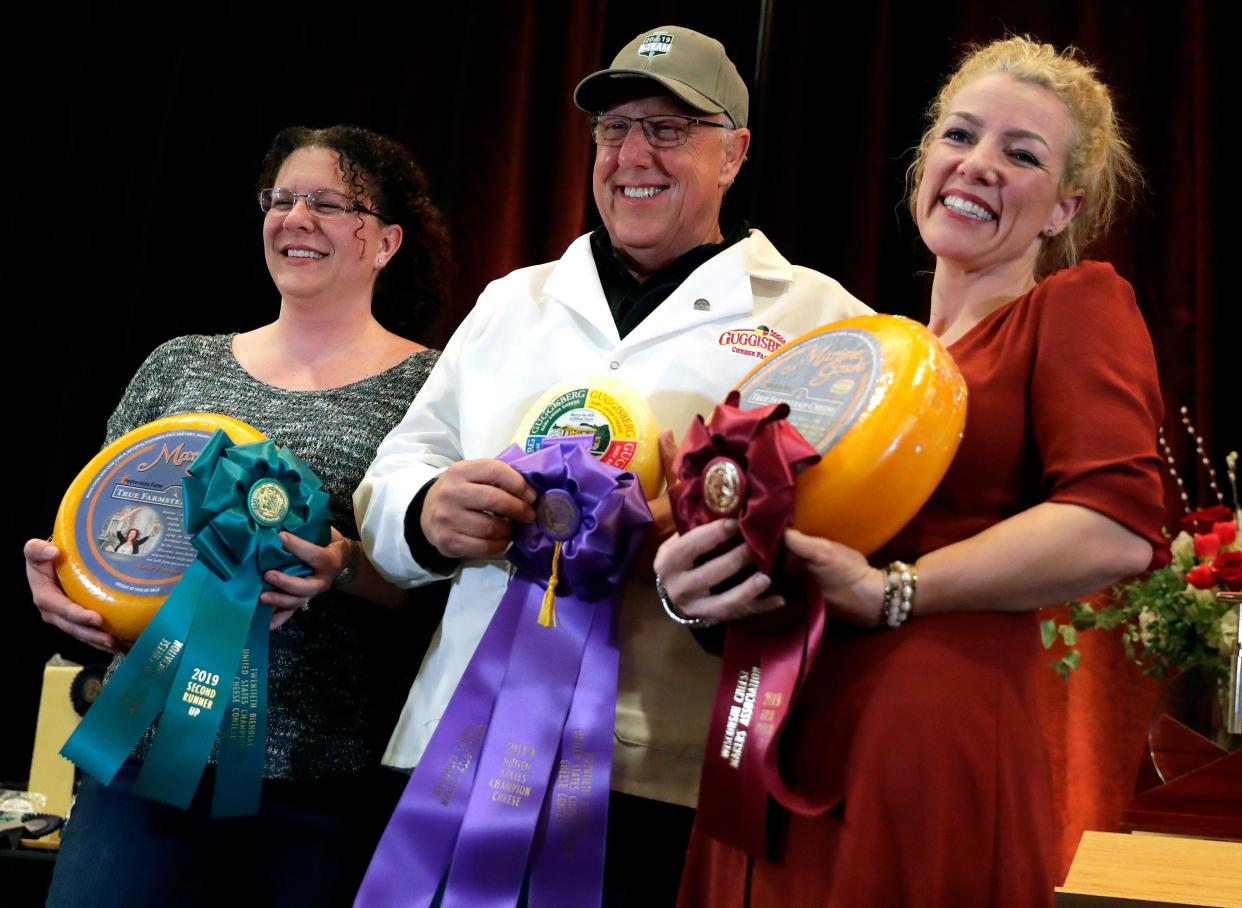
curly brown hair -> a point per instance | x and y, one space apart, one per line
1099 163
383 175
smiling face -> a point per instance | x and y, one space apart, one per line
658 203
310 255
991 187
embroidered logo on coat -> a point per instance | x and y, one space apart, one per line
757 342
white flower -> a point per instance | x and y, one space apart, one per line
1200 597
1183 551
1147 618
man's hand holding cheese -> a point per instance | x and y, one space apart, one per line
467 511
662 298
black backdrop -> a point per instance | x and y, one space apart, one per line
134 140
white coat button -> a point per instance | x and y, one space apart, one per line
614 365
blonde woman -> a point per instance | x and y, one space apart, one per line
922 734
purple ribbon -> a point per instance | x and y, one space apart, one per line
515 778
567 864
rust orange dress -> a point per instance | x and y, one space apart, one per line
928 735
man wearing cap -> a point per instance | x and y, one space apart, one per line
659 297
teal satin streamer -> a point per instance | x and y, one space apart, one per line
239 761
199 695
135 693
214 611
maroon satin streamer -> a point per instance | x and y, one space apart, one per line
766 657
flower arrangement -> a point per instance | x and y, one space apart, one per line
1172 618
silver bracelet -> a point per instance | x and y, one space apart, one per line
674 612
349 573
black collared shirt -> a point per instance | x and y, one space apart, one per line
632 301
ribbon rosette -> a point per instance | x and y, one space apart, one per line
743 464
204 654
514 782
238 498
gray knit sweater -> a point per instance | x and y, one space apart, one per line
339 671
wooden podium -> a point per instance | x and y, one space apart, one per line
1174 847
1112 870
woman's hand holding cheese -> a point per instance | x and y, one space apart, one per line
850 585
55 607
290 593
689 585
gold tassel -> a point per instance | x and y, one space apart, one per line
547 614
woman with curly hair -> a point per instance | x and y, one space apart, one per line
919 739
358 253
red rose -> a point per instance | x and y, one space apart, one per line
1161 556
1227 568
1206 545
1227 532
1200 521
1201 577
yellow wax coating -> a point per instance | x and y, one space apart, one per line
626 413
882 470
125 614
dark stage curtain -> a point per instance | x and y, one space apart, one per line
134 142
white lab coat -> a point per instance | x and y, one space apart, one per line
532 330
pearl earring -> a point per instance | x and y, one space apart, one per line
379 260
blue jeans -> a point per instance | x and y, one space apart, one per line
308 846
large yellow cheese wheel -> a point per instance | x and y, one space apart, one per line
623 423
120 529
883 403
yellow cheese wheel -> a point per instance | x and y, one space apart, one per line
623 423
884 404
120 528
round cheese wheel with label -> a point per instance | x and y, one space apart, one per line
884 404
626 433
120 528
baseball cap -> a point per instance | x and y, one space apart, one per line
691 65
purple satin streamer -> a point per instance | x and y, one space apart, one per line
413 854
567 863
493 848
518 688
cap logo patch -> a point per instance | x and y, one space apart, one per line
655 44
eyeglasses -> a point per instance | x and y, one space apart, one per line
662 131
327 203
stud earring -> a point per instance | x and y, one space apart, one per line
379 260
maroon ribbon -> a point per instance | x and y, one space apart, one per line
766 657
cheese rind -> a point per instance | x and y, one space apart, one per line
884 404
120 527
626 433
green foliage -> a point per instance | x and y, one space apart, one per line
1165 625
1048 632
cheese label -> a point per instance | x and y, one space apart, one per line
129 527
826 379
588 411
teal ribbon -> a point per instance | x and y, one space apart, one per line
203 657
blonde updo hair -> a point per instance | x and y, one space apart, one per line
1099 164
